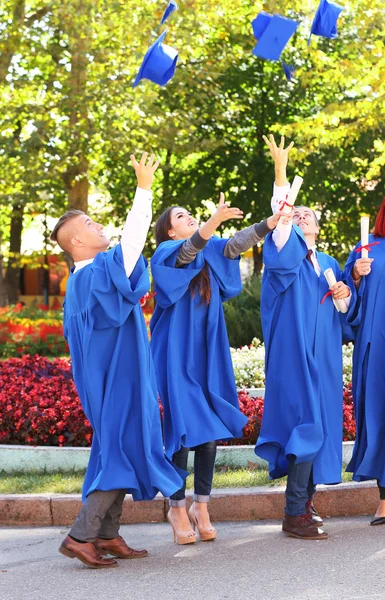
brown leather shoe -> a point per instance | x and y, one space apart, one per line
302 527
118 547
317 520
87 553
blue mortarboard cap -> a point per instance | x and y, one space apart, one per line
325 20
159 64
272 32
172 5
289 71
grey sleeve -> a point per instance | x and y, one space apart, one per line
190 248
245 239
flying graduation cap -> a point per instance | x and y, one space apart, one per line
159 63
289 71
272 33
172 5
325 20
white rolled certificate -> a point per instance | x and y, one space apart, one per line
330 278
364 236
291 198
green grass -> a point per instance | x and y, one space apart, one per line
71 483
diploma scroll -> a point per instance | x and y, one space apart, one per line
364 236
330 278
290 200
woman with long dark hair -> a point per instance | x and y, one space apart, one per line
194 272
368 460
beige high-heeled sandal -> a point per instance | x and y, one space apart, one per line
206 535
182 537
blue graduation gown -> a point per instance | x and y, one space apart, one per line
191 350
303 341
368 460
114 376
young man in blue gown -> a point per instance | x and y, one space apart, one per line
301 434
113 374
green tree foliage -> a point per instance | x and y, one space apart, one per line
69 118
242 313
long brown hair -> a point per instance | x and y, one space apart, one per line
379 226
201 282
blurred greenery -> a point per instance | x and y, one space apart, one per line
69 118
71 483
242 313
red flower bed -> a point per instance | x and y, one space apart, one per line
253 409
39 406
18 339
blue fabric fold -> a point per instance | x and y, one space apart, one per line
303 341
115 379
191 348
367 319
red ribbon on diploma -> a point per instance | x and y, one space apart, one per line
283 204
325 296
367 247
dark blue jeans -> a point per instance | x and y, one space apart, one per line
382 490
204 462
300 487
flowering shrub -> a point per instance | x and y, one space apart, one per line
253 409
249 364
39 405
347 362
349 420
32 313
36 330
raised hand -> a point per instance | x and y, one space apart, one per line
145 172
280 154
225 212
286 218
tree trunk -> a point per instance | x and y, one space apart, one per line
166 193
76 176
257 259
13 270
3 288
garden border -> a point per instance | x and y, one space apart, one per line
229 504
52 459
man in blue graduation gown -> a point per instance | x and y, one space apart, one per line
301 434
368 460
113 373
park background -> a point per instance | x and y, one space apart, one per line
69 120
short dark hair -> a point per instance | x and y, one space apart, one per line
70 214
308 208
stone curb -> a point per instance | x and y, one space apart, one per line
230 504
52 459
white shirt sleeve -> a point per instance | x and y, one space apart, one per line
136 229
280 236
347 300
280 193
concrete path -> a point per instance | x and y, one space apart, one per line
249 560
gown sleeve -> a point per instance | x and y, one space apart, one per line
112 294
283 267
172 282
354 315
226 271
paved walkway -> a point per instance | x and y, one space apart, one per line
250 560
